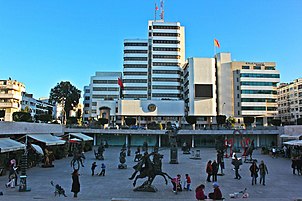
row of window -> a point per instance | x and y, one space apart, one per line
105 97
260 75
258 84
166 41
166 95
164 27
268 100
165 34
136 51
165 64
258 92
135 81
259 67
259 108
160 79
166 72
135 88
105 89
135 96
135 58
104 81
167 87
135 65
166 56
135 73
135 44
172 49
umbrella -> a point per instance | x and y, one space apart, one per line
37 148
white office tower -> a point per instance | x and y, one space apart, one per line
166 45
104 92
135 72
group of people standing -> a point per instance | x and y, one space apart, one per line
297 165
212 170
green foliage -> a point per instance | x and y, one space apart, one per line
22 117
66 94
43 117
299 121
2 113
221 119
231 120
72 120
191 119
130 121
103 121
276 122
153 126
248 120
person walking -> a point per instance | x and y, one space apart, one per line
294 165
263 171
75 183
103 167
236 162
209 170
199 192
214 171
299 165
11 182
187 185
93 166
254 172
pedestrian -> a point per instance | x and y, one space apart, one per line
103 170
75 183
214 170
209 170
274 152
263 171
254 172
199 192
176 181
285 151
13 171
187 185
236 162
216 195
93 166
299 165
294 165
11 182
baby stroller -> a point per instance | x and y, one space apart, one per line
58 189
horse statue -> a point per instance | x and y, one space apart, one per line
150 169
99 155
77 160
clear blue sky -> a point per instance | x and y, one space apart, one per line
45 42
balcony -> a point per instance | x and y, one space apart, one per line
9 105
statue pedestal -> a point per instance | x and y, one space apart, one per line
122 166
146 188
173 155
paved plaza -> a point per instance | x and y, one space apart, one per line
281 184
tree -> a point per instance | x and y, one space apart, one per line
2 113
248 120
130 121
22 116
220 120
191 119
67 95
43 117
103 121
72 120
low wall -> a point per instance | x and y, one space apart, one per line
10 128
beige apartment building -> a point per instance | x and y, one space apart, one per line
290 101
10 97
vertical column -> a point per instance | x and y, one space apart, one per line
126 140
258 141
94 139
159 140
193 141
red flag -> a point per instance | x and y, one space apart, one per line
156 7
216 43
120 83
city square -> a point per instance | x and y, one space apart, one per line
281 184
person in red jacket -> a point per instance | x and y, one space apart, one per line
188 183
216 195
199 192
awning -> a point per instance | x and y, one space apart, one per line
37 148
81 136
75 140
294 142
48 139
291 136
7 145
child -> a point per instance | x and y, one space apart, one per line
188 183
176 183
199 192
93 166
102 173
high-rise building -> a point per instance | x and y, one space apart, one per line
10 97
290 101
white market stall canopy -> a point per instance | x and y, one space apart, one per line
48 139
81 136
38 149
291 136
7 145
294 142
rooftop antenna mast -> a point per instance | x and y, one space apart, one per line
156 9
162 10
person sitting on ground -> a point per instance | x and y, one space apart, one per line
199 192
216 195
